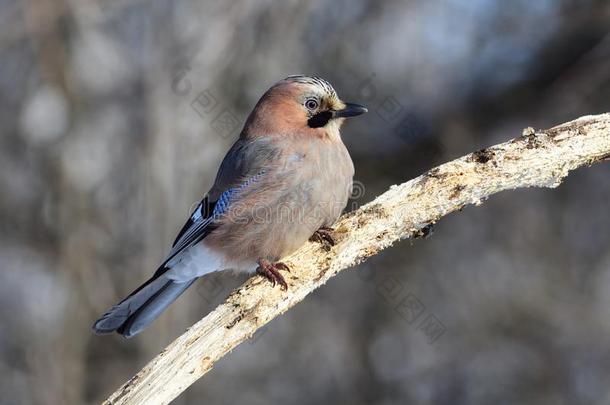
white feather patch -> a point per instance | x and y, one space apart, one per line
199 260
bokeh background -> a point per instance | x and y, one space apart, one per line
114 118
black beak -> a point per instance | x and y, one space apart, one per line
350 110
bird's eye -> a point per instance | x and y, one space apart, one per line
311 103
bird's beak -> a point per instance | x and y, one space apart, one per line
350 110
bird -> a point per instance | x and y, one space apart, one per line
286 180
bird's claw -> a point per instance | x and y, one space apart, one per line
271 272
325 236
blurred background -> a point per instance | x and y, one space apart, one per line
116 114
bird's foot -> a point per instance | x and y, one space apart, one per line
325 236
271 272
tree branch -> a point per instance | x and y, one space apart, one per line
535 159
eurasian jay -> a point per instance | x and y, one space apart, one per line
285 180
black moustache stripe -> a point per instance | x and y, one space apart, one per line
320 119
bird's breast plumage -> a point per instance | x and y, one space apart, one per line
306 186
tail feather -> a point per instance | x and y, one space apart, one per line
141 308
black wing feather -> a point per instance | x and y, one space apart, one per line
205 209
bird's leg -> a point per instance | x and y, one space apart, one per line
325 236
271 272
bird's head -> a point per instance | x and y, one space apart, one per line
300 105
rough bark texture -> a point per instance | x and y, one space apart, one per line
537 158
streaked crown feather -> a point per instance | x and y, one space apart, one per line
318 81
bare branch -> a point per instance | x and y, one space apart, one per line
535 159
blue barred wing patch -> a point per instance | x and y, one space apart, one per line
229 196
202 221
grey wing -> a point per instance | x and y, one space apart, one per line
243 165
246 161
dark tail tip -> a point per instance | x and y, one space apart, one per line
139 310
